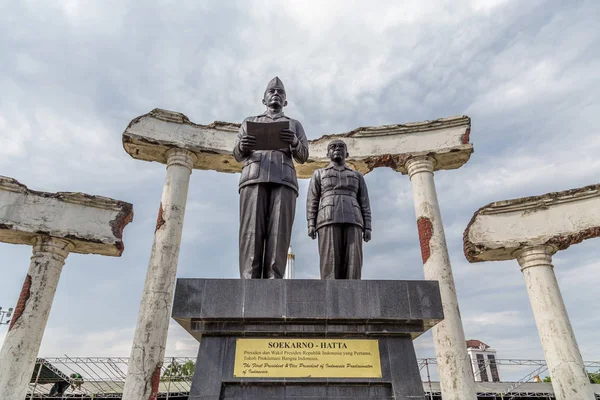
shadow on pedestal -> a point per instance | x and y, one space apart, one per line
218 312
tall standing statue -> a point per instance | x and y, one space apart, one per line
268 189
338 211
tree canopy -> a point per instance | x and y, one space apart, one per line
179 372
594 377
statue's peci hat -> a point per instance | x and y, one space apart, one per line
275 83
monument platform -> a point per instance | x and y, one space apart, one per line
306 339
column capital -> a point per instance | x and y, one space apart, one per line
55 246
183 157
535 256
420 164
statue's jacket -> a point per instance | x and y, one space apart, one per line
338 195
274 166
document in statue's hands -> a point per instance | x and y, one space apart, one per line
267 134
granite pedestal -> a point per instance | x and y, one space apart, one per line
218 312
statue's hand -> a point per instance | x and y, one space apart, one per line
288 136
312 232
247 143
367 235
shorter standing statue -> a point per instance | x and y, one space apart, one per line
337 209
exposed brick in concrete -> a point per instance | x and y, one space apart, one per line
466 136
124 217
23 297
561 242
425 234
393 161
155 382
160 221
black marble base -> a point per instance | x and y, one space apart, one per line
217 312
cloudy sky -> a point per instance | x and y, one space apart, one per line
74 73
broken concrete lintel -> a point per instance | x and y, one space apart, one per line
149 136
557 219
94 224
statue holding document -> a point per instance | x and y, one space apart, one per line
268 186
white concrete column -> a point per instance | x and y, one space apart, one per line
569 377
456 377
150 338
24 337
291 260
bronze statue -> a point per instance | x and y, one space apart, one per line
268 189
338 210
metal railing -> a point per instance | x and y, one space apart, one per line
104 377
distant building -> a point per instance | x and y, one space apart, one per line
483 361
289 269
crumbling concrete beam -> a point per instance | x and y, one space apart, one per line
149 136
93 224
558 219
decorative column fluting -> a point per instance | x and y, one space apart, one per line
150 338
456 377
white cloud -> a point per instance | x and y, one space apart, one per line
77 73
100 342
507 318
487 6
110 342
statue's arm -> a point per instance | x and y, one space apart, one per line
313 199
300 151
238 154
363 200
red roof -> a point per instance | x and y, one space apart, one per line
472 343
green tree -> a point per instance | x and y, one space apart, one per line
179 372
594 377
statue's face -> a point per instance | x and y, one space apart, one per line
275 97
337 151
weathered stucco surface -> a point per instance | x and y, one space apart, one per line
569 377
149 136
148 349
22 342
558 219
456 378
93 224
